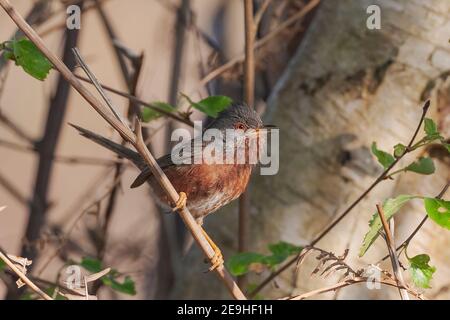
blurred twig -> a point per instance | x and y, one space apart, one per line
46 149
259 44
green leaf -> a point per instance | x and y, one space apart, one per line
91 264
239 264
211 105
446 145
280 252
430 127
149 114
242 263
384 158
399 150
28 56
423 166
439 211
390 207
127 286
94 265
421 271
2 265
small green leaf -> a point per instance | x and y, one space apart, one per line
127 286
28 56
2 265
94 265
390 207
280 252
91 264
430 127
421 271
242 263
149 114
239 264
211 105
423 166
399 150
439 211
446 145
384 158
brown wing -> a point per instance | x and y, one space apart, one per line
164 162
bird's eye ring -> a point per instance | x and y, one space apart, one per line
240 126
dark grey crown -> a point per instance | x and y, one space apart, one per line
237 113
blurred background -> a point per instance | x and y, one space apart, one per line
331 84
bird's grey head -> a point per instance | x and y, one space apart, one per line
237 116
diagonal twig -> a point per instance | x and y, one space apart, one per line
23 277
394 259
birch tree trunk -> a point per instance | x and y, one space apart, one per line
346 87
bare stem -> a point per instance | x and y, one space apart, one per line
24 278
394 259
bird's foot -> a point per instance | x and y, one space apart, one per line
181 202
217 259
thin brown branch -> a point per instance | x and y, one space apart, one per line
379 179
46 148
16 128
249 98
394 259
260 13
135 139
141 102
12 190
24 278
260 43
349 282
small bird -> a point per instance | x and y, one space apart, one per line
203 187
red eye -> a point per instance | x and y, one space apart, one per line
240 126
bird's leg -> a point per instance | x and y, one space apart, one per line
181 202
217 259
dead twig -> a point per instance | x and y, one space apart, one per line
23 277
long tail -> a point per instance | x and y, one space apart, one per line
111 145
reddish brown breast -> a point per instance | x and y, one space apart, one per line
208 187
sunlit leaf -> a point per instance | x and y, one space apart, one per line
423 166
430 127
390 207
399 150
384 158
28 56
421 271
211 105
439 211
